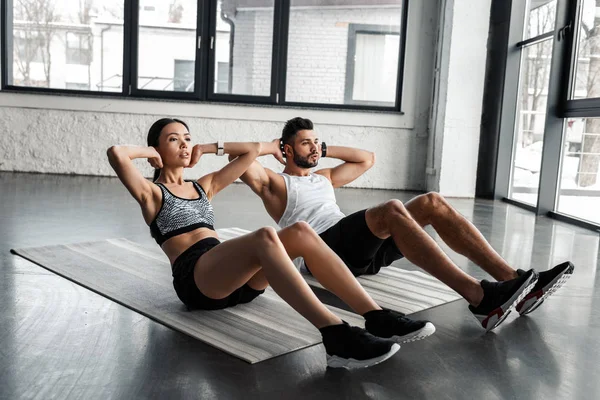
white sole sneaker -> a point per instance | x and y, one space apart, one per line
427 330
497 316
535 299
351 363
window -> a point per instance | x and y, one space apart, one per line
579 192
529 129
48 52
343 54
555 160
244 41
166 35
372 65
323 53
587 48
541 19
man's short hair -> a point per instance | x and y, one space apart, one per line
293 126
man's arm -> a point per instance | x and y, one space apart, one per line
356 163
257 176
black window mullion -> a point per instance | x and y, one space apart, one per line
284 27
130 50
211 46
6 22
401 58
276 58
202 49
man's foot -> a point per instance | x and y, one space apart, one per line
352 347
393 325
499 298
548 282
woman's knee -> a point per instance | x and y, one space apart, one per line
267 236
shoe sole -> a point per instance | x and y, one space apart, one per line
535 299
497 316
351 363
427 330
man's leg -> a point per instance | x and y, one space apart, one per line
392 219
458 233
491 302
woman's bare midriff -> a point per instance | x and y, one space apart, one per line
176 245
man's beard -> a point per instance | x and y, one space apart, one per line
303 162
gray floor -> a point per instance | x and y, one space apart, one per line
58 340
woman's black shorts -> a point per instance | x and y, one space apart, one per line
188 292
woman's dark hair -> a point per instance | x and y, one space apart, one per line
293 126
154 134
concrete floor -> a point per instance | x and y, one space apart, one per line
59 340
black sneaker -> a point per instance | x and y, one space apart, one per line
352 347
499 298
390 324
548 282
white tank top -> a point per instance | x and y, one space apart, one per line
311 199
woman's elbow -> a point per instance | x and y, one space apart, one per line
114 153
371 160
111 152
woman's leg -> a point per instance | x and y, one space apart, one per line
300 240
235 262
251 258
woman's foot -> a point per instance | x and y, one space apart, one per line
390 324
352 347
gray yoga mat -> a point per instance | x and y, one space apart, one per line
139 278
393 288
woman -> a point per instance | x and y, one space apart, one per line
208 274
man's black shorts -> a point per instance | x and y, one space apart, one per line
363 253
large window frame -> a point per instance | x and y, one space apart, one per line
205 69
559 107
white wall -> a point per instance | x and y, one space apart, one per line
64 134
454 142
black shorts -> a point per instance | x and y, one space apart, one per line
363 252
188 292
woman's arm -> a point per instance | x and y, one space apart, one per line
120 160
246 153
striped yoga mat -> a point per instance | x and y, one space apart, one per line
139 278
393 288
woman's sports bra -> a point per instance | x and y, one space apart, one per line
177 215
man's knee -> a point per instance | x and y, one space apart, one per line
302 228
434 201
395 207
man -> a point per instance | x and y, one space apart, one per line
373 238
